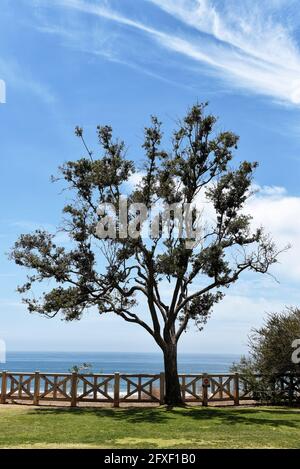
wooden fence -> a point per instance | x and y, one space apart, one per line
119 388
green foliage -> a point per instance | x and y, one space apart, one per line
270 356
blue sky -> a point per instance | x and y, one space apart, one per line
80 62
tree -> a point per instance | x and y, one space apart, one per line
274 354
195 168
81 369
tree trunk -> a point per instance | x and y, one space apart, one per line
172 385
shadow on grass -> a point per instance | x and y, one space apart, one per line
253 416
133 415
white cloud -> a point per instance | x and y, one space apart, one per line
247 26
274 191
254 49
230 324
279 213
135 179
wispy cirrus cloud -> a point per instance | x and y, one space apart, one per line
256 47
16 77
250 45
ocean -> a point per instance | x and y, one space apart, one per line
110 362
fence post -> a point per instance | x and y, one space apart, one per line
74 389
183 388
36 394
236 389
3 388
117 390
291 390
204 390
162 388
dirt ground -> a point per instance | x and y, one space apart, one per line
127 404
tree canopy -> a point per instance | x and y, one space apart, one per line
271 347
112 274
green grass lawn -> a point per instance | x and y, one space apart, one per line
263 427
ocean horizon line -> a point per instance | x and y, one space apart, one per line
110 362
123 352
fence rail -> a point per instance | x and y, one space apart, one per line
116 388
119 388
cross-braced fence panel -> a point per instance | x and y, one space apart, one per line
221 388
191 387
98 388
19 386
55 387
139 388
